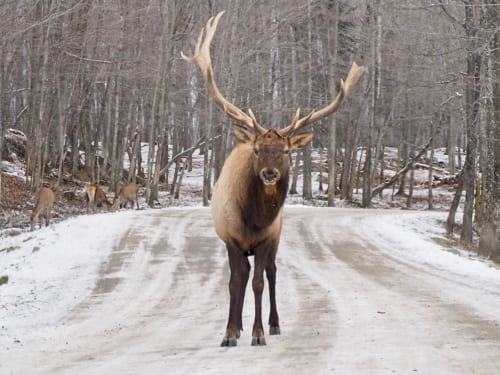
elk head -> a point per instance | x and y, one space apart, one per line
270 151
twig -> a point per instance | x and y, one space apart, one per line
88 59
453 18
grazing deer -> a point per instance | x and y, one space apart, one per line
44 200
127 193
247 201
96 197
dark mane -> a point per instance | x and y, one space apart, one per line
261 209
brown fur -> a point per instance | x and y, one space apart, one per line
96 197
127 193
44 200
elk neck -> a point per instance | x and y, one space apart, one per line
263 202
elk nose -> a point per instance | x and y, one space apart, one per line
270 175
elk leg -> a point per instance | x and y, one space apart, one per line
47 217
274 325
261 257
237 279
245 272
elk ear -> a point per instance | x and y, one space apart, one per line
300 140
243 135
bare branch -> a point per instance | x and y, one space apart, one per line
188 151
408 165
88 59
449 15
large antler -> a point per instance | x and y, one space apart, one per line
202 58
345 87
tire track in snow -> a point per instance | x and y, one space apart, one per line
307 309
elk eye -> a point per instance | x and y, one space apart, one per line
256 152
286 151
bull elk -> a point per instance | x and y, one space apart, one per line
96 197
127 193
44 200
247 201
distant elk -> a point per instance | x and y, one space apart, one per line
96 197
247 201
127 194
44 200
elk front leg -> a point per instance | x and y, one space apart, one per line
239 268
274 325
245 271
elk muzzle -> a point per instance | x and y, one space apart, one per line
270 176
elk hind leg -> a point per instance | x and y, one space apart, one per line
47 216
261 259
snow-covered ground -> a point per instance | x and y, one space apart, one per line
55 271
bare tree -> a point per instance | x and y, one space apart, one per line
333 26
489 244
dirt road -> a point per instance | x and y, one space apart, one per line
160 306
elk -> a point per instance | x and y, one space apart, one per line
44 200
127 193
96 197
248 197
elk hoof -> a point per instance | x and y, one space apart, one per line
274 330
228 342
258 341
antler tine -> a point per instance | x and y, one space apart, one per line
345 87
296 123
202 58
295 118
259 129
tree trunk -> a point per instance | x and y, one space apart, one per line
42 122
374 19
452 145
207 170
450 221
306 153
409 198
332 128
152 179
295 173
431 158
489 243
472 93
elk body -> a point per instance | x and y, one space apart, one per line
44 200
127 193
96 197
248 198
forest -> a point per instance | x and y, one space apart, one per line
89 81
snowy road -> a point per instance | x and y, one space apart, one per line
351 298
